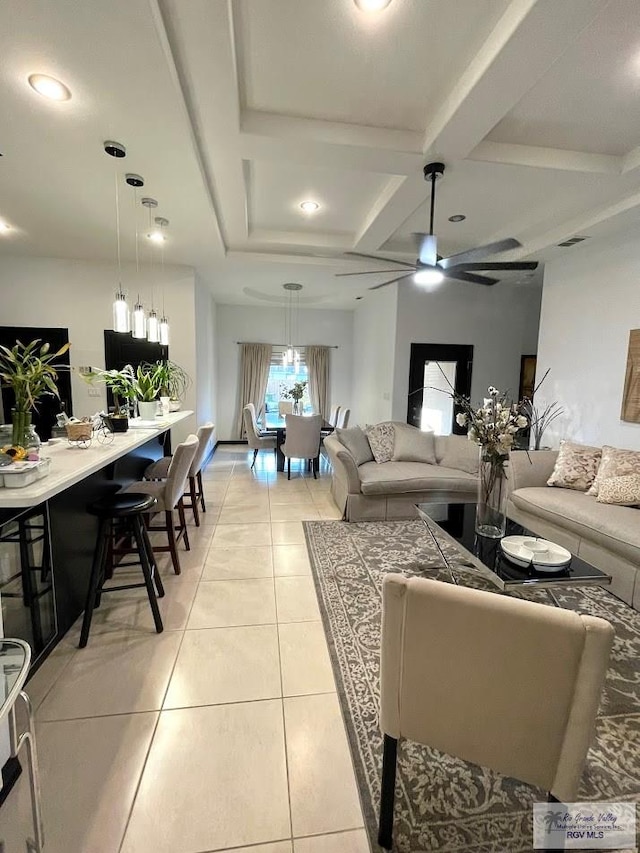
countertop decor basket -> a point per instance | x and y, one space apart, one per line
79 432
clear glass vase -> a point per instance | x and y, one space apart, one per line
21 422
491 519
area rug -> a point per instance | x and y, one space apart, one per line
442 803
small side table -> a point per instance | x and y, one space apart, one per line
15 657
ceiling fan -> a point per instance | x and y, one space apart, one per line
431 269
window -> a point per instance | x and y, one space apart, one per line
282 378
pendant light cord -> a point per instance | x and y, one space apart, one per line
118 231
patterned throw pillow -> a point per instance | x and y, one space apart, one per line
621 491
615 463
576 466
381 438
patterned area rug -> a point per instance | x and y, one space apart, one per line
442 803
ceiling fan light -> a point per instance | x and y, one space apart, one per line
428 277
372 5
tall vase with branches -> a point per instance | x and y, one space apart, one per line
30 371
540 416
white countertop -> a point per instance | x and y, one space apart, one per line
70 464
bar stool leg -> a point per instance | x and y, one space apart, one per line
146 571
171 535
194 500
183 524
201 492
152 561
95 579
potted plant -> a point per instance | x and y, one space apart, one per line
29 370
146 388
172 381
122 386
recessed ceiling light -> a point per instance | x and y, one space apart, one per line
49 87
372 5
309 206
457 217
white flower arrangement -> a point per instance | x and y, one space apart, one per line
493 425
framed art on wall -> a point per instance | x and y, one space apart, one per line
631 394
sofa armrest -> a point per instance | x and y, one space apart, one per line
343 464
532 468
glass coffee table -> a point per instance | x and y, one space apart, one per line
455 523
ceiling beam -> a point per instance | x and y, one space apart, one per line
546 158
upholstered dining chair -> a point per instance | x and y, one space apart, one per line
255 439
254 418
333 415
302 440
159 470
343 418
169 495
508 684
285 407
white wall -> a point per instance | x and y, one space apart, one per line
78 295
501 322
266 325
374 341
591 301
205 377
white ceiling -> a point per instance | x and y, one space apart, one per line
235 111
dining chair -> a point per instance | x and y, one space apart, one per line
169 495
508 684
343 418
285 407
302 440
255 439
333 415
159 470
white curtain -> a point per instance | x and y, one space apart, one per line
255 360
317 359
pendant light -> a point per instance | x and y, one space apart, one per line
163 326
291 356
121 315
139 319
153 324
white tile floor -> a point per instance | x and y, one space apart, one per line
223 733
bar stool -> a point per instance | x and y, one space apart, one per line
122 512
159 471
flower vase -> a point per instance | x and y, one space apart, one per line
21 422
296 407
491 519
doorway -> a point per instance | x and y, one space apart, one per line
433 370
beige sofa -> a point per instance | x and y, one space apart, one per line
389 490
607 537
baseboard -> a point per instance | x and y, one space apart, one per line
233 441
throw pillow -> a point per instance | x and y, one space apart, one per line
576 466
456 451
621 491
356 443
381 438
413 445
615 463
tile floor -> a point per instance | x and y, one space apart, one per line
224 732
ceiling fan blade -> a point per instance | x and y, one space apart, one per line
378 258
471 278
393 280
496 265
429 250
367 272
473 255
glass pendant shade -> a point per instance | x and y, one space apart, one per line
290 355
153 327
139 322
121 316
164 332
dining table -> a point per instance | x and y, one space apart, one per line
274 422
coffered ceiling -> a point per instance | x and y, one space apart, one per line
236 111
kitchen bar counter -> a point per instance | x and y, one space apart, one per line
70 464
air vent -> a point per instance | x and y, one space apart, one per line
572 241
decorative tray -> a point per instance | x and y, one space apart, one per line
21 474
543 555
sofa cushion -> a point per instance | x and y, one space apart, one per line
576 466
615 528
615 462
394 478
381 438
357 443
414 445
620 491
456 451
